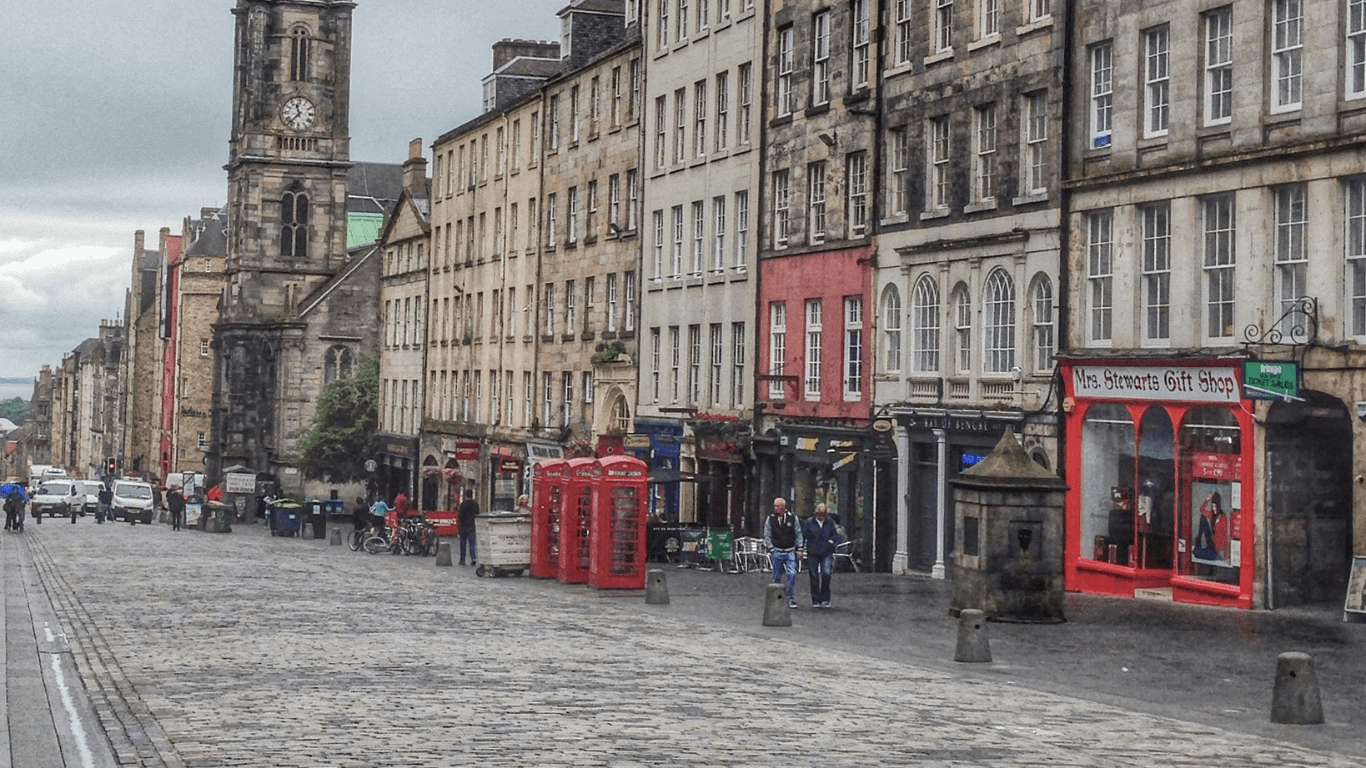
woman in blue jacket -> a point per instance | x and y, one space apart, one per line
821 537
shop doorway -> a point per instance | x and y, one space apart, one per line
1308 500
923 507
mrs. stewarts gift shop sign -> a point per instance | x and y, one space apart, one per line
1204 384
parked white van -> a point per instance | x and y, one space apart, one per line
132 501
56 497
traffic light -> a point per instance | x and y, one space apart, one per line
111 466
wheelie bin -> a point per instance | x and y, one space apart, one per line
286 517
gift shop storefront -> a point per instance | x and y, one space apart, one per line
1160 470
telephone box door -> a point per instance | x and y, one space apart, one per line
620 512
576 520
547 491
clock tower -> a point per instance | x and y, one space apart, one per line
287 260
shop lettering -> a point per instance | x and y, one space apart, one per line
1153 383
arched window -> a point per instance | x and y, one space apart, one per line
294 224
925 324
891 329
998 325
962 327
298 54
1041 320
336 364
621 415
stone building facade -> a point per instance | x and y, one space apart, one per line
143 372
1215 244
197 277
85 394
405 245
701 110
968 250
814 443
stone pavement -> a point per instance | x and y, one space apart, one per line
245 650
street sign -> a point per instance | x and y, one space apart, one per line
239 482
1267 380
371 465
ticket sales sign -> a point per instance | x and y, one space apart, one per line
1205 384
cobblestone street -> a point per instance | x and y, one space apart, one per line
246 650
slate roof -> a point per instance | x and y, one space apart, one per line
373 187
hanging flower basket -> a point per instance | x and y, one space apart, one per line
451 474
431 471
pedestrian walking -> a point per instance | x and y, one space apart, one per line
175 502
469 509
822 537
106 500
783 535
12 508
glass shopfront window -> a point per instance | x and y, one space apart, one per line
1211 501
1106 476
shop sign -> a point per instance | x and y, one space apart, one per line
509 466
637 442
1205 384
951 423
1264 380
239 482
1216 466
509 451
397 448
807 443
466 450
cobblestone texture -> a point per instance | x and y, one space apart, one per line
244 650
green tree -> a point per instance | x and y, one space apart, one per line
342 435
15 410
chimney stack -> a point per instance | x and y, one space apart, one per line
507 49
415 170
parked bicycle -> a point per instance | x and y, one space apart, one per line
414 536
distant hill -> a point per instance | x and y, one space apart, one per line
15 410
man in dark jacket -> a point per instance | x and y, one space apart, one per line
783 535
821 537
175 504
469 508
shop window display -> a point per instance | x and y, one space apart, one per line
1107 474
1211 468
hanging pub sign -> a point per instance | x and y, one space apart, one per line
466 450
1266 380
1192 383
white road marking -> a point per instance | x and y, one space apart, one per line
77 725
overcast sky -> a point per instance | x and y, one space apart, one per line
114 118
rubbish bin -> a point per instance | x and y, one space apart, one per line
217 517
286 518
317 520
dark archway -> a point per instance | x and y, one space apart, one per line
1308 500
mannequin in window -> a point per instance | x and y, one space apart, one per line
1211 539
1143 518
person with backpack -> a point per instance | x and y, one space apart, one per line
783 535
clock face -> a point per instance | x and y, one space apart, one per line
299 114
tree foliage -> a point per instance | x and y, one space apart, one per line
16 410
342 435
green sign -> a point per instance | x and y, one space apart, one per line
1265 380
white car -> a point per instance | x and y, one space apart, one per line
132 501
56 497
92 489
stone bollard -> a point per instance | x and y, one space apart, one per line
656 588
443 554
335 538
1295 700
972 637
776 612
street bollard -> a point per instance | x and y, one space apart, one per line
776 612
972 637
1295 700
443 554
335 538
656 588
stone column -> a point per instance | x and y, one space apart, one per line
901 559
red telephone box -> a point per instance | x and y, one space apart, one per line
547 490
621 509
576 518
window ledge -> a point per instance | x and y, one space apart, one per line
981 205
938 213
1034 26
897 69
817 109
986 42
936 58
1030 199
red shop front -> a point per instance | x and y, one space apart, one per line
1159 468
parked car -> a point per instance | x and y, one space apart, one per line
56 497
92 489
132 501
